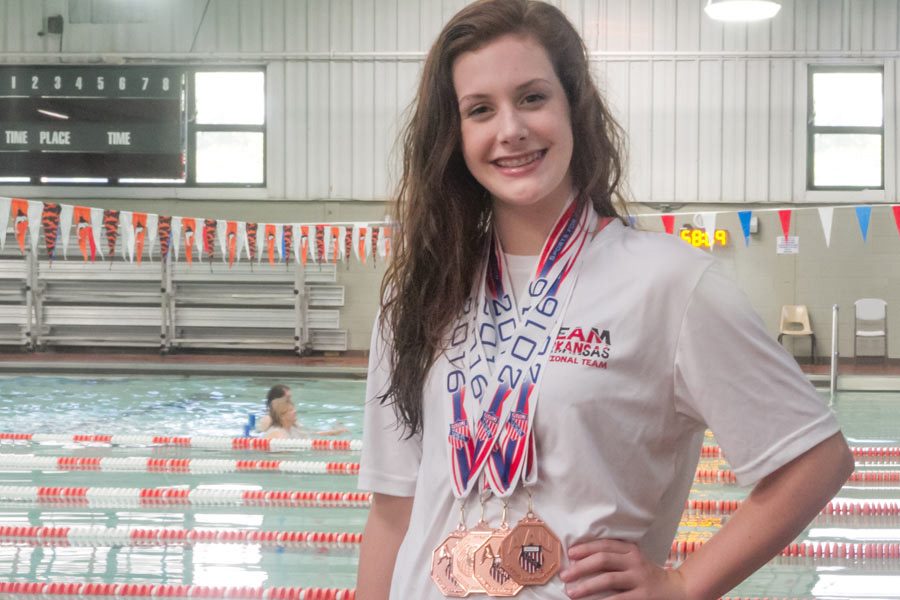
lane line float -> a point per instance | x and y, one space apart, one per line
173 465
200 442
110 497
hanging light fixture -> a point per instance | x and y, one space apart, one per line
742 10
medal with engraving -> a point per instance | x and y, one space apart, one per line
442 566
489 569
531 553
464 557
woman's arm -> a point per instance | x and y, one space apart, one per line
385 529
778 509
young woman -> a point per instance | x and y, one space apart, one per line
541 375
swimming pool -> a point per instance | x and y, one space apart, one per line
94 549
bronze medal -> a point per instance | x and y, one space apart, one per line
464 557
489 570
442 567
531 553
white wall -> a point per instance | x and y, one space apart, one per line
716 113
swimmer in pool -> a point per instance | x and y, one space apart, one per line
281 422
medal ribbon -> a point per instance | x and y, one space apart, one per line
497 352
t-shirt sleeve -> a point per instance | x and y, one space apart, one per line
390 461
733 376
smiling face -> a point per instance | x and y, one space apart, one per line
515 124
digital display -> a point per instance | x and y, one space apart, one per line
75 121
698 238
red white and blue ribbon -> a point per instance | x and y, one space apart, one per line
497 354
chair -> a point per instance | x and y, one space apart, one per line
870 322
795 321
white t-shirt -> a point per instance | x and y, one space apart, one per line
656 345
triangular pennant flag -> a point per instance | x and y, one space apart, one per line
87 245
896 211
347 250
252 230
222 236
152 231
669 223
4 219
231 239
139 230
50 223
303 244
384 245
359 237
189 225
111 230
175 239
35 210
126 249
785 216
20 221
709 226
65 227
243 244
287 242
320 243
296 242
826 216
97 231
209 237
863 214
164 230
745 216
271 241
376 230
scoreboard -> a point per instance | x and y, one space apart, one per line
82 121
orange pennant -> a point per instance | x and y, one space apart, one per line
270 243
139 222
361 245
231 236
20 220
386 233
189 226
304 243
336 244
81 216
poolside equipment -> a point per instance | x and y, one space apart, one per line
795 322
870 322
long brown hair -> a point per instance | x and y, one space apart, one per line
444 213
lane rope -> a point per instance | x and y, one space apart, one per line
155 497
836 508
143 536
173 465
140 590
726 476
200 442
817 551
860 453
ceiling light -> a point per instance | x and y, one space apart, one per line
742 10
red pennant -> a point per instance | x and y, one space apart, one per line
304 243
320 243
896 210
386 235
785 216
668 223
361 245
139 222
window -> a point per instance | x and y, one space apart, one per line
845 133
132 125
227 133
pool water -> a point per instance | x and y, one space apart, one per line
202 406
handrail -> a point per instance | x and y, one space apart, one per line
835 351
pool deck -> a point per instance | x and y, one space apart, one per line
866 375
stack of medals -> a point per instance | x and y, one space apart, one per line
482 560
497 562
